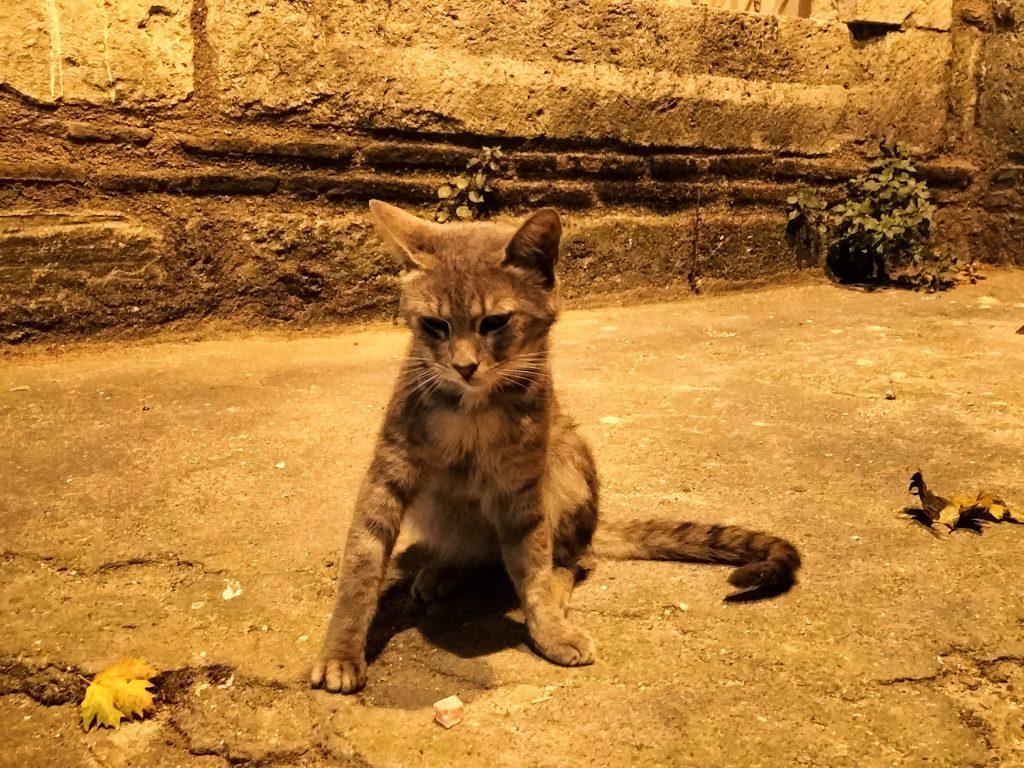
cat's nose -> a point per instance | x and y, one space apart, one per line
466 371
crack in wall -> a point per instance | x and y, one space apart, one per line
56 51
106 50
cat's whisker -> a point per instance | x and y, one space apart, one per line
418 380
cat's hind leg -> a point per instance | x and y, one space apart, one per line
440 578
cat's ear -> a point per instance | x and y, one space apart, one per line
409 237
534 246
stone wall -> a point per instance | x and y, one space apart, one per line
196 158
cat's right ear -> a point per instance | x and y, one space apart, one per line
409 237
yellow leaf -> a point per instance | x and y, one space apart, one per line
951 511
130 668
119 691
130 696
98 705
950 515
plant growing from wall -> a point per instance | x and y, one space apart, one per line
806 229
470 195
881 233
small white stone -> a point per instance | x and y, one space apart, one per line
280 465
611 420
232 589
449 711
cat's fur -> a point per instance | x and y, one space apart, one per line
477 453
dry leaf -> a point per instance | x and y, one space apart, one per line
119 691
98 705
957 509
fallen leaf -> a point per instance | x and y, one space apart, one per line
959 509
120 691
98 705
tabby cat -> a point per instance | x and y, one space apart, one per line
477 453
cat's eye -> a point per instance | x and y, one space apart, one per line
436 327
493 323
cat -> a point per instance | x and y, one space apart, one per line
477 453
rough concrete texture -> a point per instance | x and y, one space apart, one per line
1002 104
67 274
140 478
598 72
111 53
929 14
241 139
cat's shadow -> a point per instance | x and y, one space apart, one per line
472 623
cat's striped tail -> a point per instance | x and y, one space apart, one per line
767 563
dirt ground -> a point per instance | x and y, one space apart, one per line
138 481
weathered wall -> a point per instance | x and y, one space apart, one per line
214 157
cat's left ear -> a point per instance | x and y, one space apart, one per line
534 246
409 237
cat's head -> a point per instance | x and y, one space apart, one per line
479 297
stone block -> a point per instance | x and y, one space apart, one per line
1001 105
1008 176
622 252
27 64
927 14
39 172
579 165
658 196
313 151
78 271
770 195
529 195
361 188
906 92
305 266
416 156
633 72
675 168
1000 236
273 56
129 53
945 175
197 183
86 132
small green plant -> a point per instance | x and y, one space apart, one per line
806 228
881 233
470 195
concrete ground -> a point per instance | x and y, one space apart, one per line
138 480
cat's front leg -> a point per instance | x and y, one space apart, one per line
526 547
380 508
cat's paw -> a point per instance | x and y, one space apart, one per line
564 644
338 675
436 580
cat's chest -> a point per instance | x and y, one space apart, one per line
452 436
